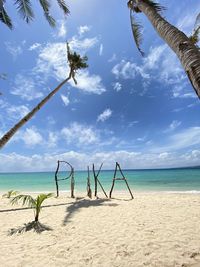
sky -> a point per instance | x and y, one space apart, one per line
139 111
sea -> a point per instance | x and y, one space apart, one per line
159 180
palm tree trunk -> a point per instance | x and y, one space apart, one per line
187 52
25 119
36 217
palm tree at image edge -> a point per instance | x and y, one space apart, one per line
24 8
185 47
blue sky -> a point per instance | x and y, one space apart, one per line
139 111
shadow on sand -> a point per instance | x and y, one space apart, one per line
35 226
27 208
85 203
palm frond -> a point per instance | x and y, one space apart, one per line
159 8
5 18
197 22
25 9
50 19
136 30
63 6
25 199
39 200
75 60
45 5
194 38
1 4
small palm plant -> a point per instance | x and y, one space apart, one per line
10 194
36 205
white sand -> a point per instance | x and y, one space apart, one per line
151 230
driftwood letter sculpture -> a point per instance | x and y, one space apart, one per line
71 175
118 168
96 181
89 190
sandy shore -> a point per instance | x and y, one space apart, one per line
151 230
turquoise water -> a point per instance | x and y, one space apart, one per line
139 180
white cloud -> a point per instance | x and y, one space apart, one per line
132 123
141 139
186 19
186 23
34 46
80 134
17 112
52 140
128 70
47 162
30 137
53 61
89 83
105 115
83 29
25 87
184 139
65 99
82 45
161 64
168 71
179 92
164 155
113 58
153 58
173 125
62 32
14 50
51 120
101 50
117 86
3 104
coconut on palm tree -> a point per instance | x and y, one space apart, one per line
24 8
76 62
36 205
185 48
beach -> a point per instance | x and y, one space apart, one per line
154 229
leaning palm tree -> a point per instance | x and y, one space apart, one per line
185 49
76 62
24 7
36 205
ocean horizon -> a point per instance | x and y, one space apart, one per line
184 179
